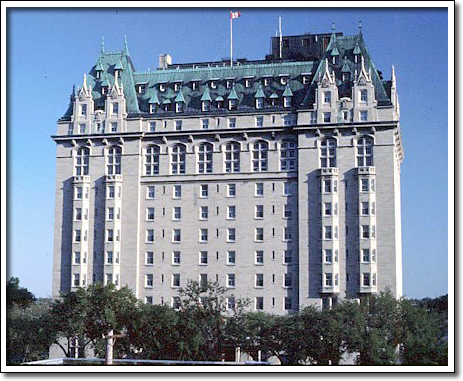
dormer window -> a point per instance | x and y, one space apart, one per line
345 77
176 86
259 102
335 60
98 74
219 104
232 103
162 87
179 107
357 58
247 82
229 83
141 88
284 79
206 105
195 85
287 102
153 108
305 79
104 90
214 84
266 81
117 73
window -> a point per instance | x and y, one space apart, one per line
175 280
365 231
366 279
286 189
259 121
179 106
231 257
194 85
259 104
287 280
230 280
232 104
231 122
366 255
286 101
231 212
176 235
150 191
327 210
259 234
266 81
259 211
82 159
78 193
328 234
231 303
78 214
77 235
176 257
231 190
231 235
288 155
328 153
205 158
259 280
204 191
109 258
76 280
363 116
287 257
82 128
364 185
109 278
149 214
177 191
203 280
326 117
259 156
365 152
328 255
149 258
287 235
203 235
259 189
150 235
178 159
328 279
203 257
114 161
327 98
288 120
77 257
113 126
287 303
148 300
365 208
204 213
114 108
83 110
364 96
259 303
205 123
287 211
110 191
232 157
152 160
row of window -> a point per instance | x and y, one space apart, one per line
365 280
204 257
231 302
231 158
331 232
363 97
230 282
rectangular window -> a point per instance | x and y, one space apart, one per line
115 109
364 183
202 235
327 186
203 257
259 303
326 117
148 300
177 213
175 280
231 303
175 302
287 282
76 280
287 235
149 214
365 208
78 214
110 191
203 280
204 213
259 211
149 280
328 255
365 231
287 303
328 232
176 235
287 211
366 255
83 110
363 116
113 126
231 257
82 128
259 234
204 191
327 210
150 235
109 235
78 193
259 257
205 124
149 258
177 191
327 98
231 122
231 235
109 278
152 126
150 191
366 279
259 119
259 189
231 190
178 125
231 212
259 280
287 257
230 280
286 189
77 257
176 257
328 279
109 258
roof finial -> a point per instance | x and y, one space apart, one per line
126 48
360 27
333 27
84 85
102 44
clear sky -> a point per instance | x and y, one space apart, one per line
49 50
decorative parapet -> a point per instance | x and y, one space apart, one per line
113 178
81 179
329 171
366 170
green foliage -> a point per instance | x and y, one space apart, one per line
18 296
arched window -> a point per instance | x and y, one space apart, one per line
259 156
288 155
178 159
328 153
114 161
232 157
365 152
205 158
152 160
82 157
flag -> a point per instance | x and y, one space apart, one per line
234 15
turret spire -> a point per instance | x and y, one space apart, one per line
102 44
360 27
126 47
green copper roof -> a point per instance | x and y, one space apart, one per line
288 92
273 96
206 95
219 98
166 102
345 68
335 51
119 66
154 98
357 50
105 81
260 93
179 97
232 94
99 67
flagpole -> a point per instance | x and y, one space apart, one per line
231 40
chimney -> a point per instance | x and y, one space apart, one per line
164 61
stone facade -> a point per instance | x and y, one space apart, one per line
279 179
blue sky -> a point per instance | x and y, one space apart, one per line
49 50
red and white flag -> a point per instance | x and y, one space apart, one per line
234 15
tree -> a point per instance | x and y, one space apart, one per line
18 296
